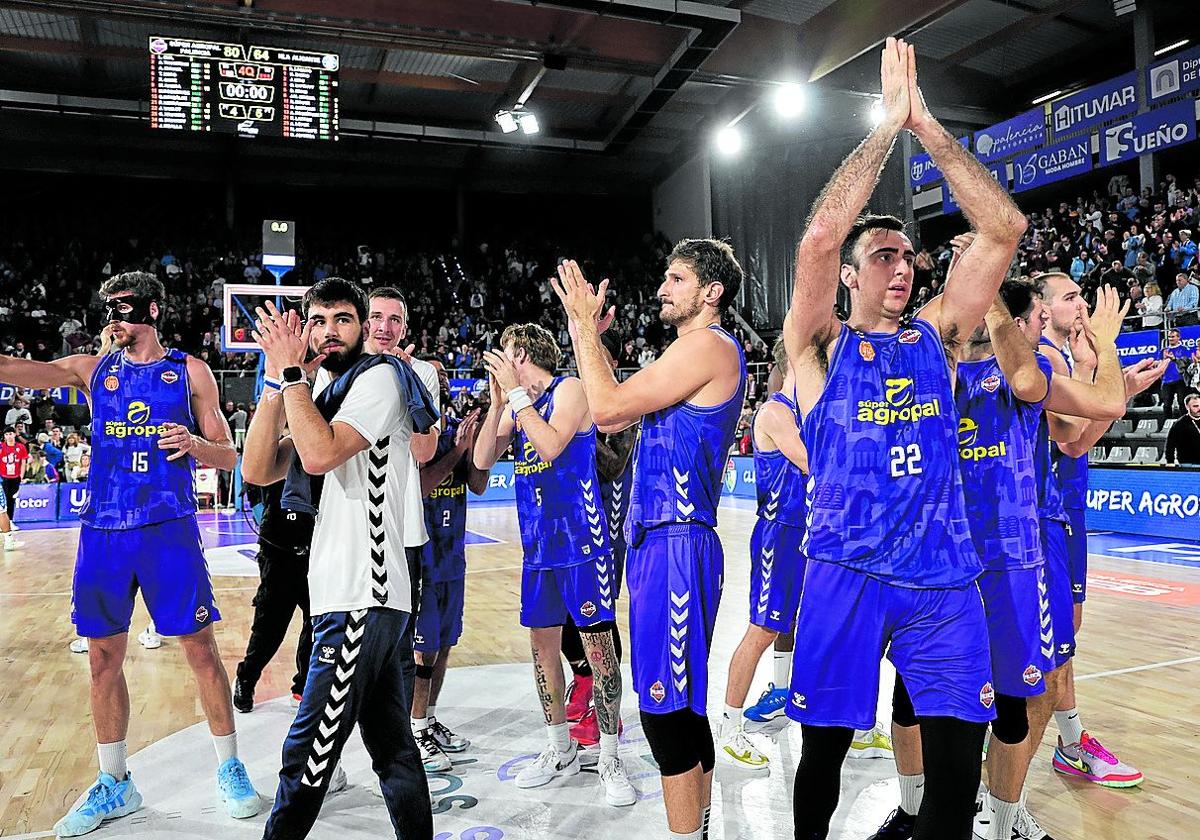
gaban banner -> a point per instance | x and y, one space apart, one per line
1053 163
1178 74
1011 136
1170 125
1159 502
999 172
1096 104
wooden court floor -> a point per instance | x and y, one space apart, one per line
1139 686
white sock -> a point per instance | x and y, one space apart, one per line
698 834
560 736
608 746
705 814
420 724
226 747
431 712
912 790
783 668
1069 726
112 759
1005 814
732 719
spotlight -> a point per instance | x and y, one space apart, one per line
529 123
729 140
789 99
876 114
506 121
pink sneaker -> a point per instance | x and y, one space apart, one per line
1090 760
579 698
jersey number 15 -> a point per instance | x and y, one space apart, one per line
141 462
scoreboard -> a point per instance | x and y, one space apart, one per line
249 91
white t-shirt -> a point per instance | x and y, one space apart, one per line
350 557
415 533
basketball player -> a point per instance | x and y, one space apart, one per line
444 484
776 564
547 420
689 400
887 542
1001 388
352 467
155 412
1078 753
614 468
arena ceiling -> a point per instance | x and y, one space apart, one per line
623 89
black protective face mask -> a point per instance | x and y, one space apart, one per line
139 310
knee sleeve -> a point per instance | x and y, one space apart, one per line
902 707
950 748
1012 722
599 627
818 777
424 672
672 740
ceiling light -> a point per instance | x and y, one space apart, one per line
729 140
1046 97
529 123
1174 46
789 99
506 121
876 112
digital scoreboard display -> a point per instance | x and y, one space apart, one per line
248 91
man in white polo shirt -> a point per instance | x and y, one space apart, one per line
353 468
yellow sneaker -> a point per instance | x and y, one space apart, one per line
736 750
871 743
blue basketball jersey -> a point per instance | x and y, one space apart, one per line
778 482
131 483
558 502
885 494
1072 472
1050 494
616 495
996 435
445 555
679 461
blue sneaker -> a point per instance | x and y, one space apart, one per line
769 706
106 800
233 785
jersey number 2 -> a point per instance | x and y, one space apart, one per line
906 460
141 462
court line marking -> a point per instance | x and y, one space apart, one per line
1134 669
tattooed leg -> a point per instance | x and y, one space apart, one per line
548 673
606 670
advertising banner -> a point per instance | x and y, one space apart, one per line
1022 132
1099 103
1178 74
37 503
61 396
922 171
71 499
1132 347
1170 125
1053 163
949 205
1157 501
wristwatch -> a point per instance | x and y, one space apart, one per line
293 374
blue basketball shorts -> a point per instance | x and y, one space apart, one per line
1058 582
583 592
1077 555
674 575
164 560
939 644
776 575
1017 604
440 615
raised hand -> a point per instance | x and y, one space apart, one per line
1104 324
958 247
1143 374
464 438
1082 351
283 341
894 82
503 373
579 299
918 115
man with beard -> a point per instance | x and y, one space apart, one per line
346 460
689 401
155 413
888 543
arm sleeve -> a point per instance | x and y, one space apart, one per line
373 407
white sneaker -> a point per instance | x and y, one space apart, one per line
984 817
80 645
11 543
432 757
338 781
549 765
13 526
1025 827
149 638
736 750
617 789
375 788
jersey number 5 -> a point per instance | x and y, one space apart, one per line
906 460
141 462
